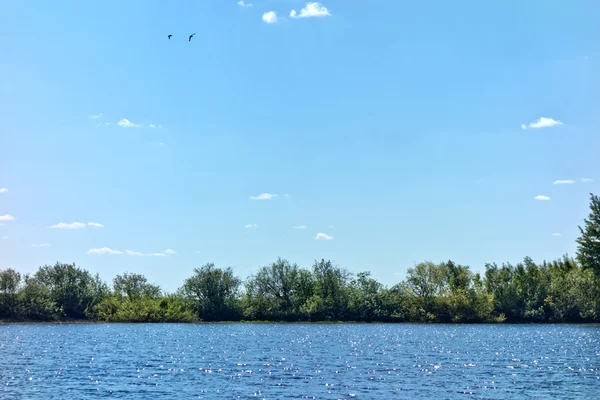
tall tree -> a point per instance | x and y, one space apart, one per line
10 282
213 291
135 286
588 251
73 289
273 290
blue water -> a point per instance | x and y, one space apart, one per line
299 361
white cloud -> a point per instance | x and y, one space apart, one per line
587 180
104 250
7 217
41 245
312 9
3 190
263 196
125 123
322 236
133 253
564 182
542 198
95 225
4 237
251 226
543 122
152 126
140 254
96 116
242 4
63 225
300 227
556 234
270 17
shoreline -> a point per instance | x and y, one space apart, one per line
289 323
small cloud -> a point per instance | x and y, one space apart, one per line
40 245
125 123
263 196
587 180
286 195
96 116
564 182
140 254
134 253
104 250
6 217
242 4
543 122
542 197
63 225
3 190
322 236
331 226
556 234
270 17
300 227
4 237
312 9
251 226
95 225
152 126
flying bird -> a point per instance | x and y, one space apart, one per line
169 37
191 36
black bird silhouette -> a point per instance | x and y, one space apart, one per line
169 37
191 36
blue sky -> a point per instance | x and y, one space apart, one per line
394 128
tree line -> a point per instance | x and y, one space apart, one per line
563 290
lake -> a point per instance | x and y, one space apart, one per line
279 361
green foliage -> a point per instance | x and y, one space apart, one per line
588 251
134 286
213 293
143 309
72 289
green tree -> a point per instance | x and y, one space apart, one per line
10 284
134 286
213 292
36 302
272 291
74 290
588 250
365 298
331 291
